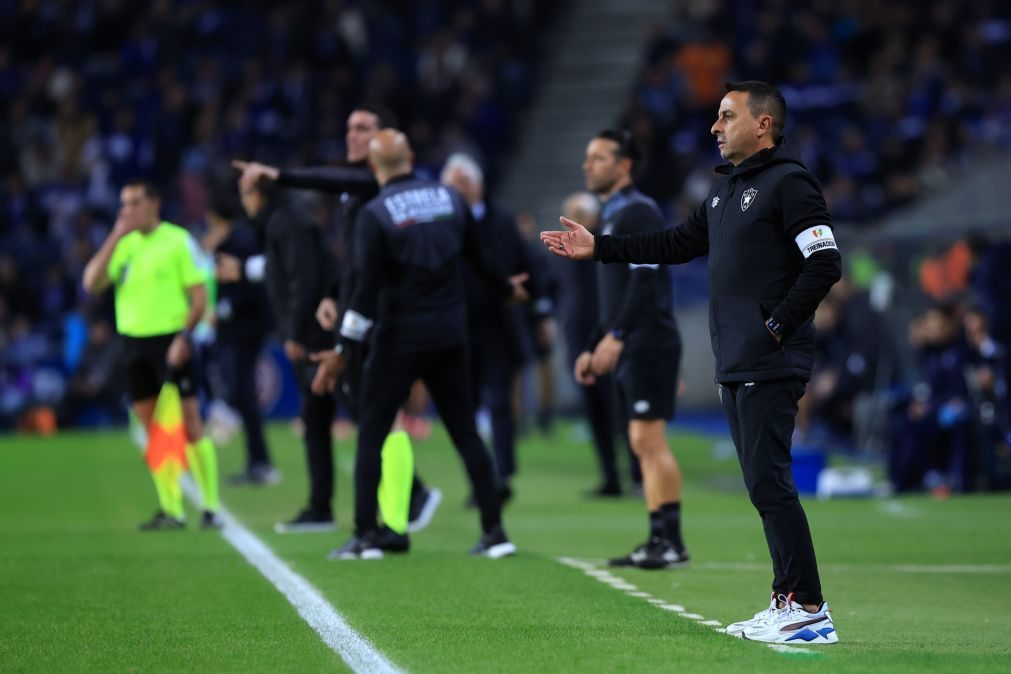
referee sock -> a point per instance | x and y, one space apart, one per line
170 494
203 460
394 493
670 517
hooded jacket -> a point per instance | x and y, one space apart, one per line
772 254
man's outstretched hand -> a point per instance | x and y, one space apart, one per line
575 242
253 172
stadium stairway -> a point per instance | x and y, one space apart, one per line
587 78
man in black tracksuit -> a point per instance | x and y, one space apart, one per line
772 259
411 241
493 328
243 320
296 280
580 311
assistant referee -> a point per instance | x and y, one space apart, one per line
160 298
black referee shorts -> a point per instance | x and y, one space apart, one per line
146 369
647 382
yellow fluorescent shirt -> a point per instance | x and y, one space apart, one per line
151 274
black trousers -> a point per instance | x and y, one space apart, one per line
317 414
238 370
620 413
761 417
389 373
493 373
599 406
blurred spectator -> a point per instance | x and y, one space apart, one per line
94 392
989 395
932 436
887 100
109 91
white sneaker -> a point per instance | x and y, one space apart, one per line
737 629
792 624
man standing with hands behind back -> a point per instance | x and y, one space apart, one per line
772 259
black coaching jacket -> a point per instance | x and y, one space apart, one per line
412 241
771 252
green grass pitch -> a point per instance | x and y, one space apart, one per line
916 585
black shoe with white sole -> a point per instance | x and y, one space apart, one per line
162 522
494 545
307 522
423 507
631 558
372 545
656 553
210 520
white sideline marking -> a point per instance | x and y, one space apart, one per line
784 648
361 656
607 578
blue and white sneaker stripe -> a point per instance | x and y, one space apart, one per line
792 623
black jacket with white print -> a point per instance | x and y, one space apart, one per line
772 254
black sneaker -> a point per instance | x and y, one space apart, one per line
372 545
656 553
631 558
423 507
494 545
307 522
260 475
605 490
162 522
210 520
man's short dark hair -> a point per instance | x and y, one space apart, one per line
764 99
225 201
627 147
150 191
384 116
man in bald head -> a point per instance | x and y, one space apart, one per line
412 240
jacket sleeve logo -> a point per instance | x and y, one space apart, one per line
748 197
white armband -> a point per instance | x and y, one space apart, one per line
256 266
811 240
355 326
643 266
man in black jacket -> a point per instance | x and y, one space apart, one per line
580 311
295 268
242 315
492 326
412 239
772 259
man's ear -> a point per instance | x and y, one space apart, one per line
764 125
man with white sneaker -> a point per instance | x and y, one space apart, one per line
772 259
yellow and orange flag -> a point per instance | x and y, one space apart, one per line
166 449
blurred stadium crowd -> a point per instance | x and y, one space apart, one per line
888 101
